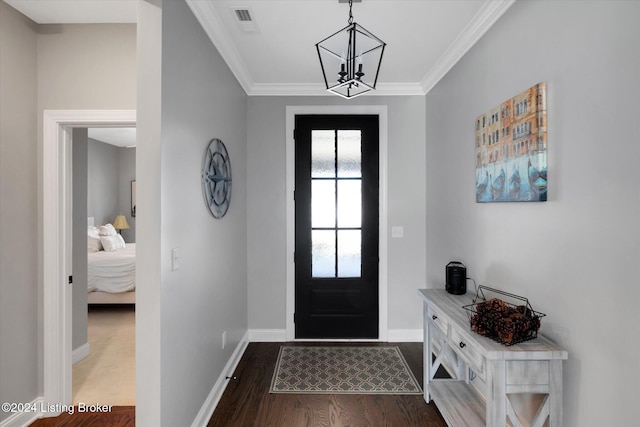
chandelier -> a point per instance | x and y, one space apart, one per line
350 59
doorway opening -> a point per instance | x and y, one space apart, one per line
57 239
104 222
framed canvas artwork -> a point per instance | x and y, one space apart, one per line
511 149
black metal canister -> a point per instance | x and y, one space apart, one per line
456 282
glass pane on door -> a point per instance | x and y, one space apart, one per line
349 154
349 259
349 204
323 253
323 154
323 202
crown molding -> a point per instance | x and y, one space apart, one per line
212 25
397 89
206 15
309 89
484 19
287 89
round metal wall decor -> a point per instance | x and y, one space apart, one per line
216 178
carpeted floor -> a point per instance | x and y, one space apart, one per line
107 375
343 370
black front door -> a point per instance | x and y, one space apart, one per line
336 226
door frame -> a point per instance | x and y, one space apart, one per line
56 220
381 112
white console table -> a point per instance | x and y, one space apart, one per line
485 374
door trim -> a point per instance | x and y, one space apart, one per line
55 193
381 112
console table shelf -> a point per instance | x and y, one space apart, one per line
458 403
485 374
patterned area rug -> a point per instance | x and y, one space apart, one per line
343 370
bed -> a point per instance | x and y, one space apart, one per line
111 267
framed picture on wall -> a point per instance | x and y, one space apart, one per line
511 149
133 198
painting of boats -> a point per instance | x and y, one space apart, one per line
511 149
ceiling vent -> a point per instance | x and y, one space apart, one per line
244 19
243 15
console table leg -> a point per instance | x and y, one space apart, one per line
427 356
555 394
496 393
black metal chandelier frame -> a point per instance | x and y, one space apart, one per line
350 80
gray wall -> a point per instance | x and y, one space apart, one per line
80 66
574 256
111 170
267 202
18 210
200 100
102 194
126 174
80 185
43 67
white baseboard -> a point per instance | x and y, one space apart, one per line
280 335
267 335
80 353
25 418
206 411
405 335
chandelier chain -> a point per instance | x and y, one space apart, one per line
350 12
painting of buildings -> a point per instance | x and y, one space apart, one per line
511 149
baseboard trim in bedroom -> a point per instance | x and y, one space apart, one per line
80 353
24 418
206 411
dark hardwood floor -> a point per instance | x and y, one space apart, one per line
120 416
247 401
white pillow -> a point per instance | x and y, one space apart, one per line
112 243
93 232
107 230
94 244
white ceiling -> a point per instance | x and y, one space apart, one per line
425 38
120 137
77 11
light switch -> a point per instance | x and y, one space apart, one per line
397 232
175 258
